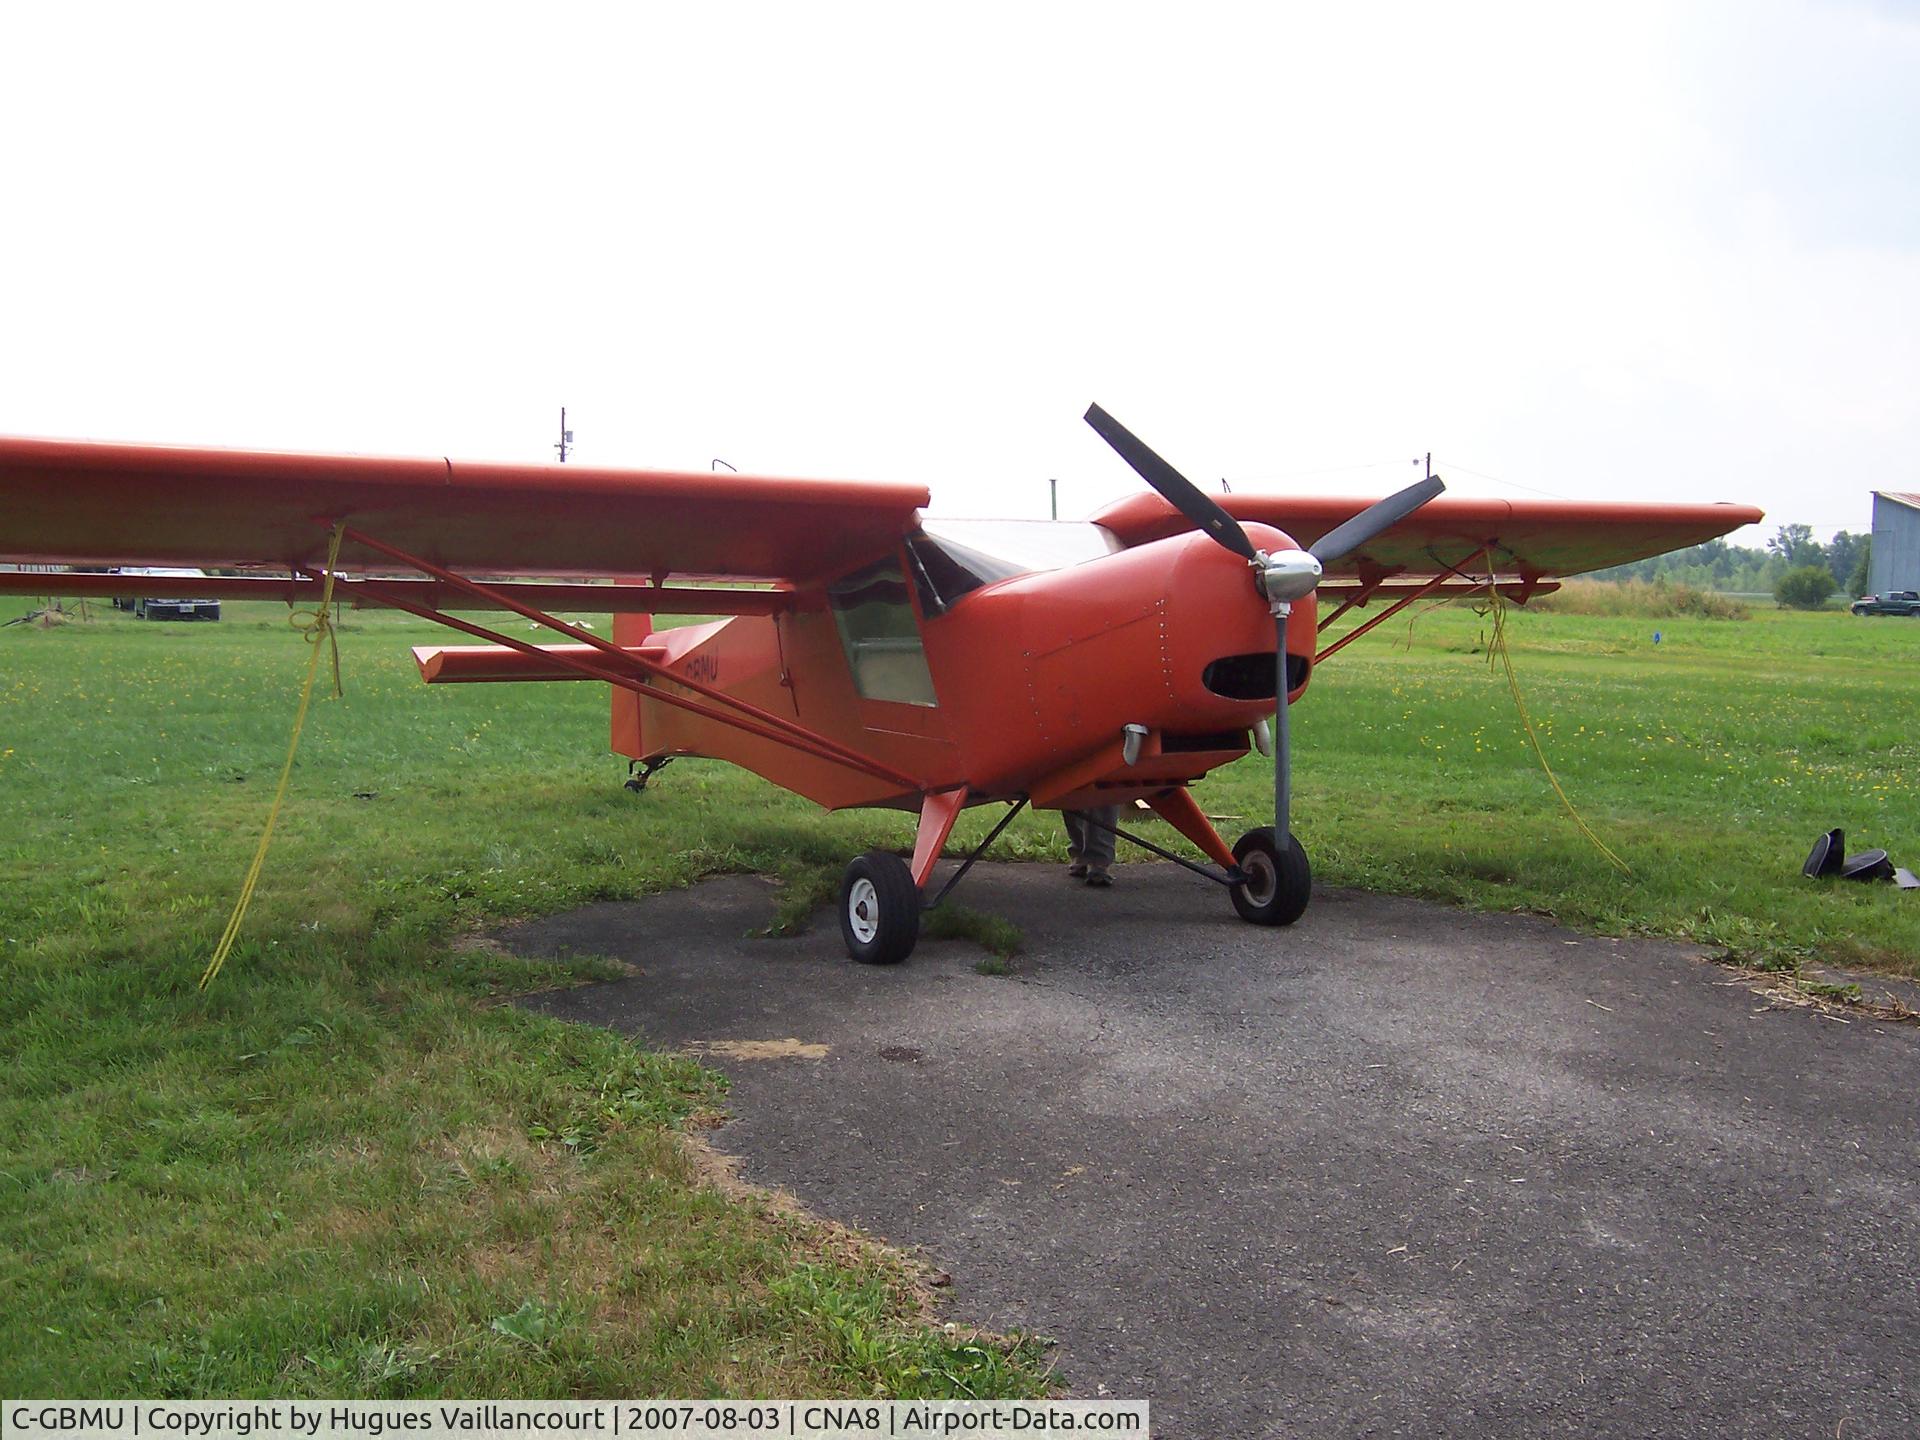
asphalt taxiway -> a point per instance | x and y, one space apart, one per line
1395 1170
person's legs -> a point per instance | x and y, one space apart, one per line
1098 845
1076 843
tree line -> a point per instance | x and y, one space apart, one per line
1717 565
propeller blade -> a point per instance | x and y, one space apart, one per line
1282 739
1343 540
1174 488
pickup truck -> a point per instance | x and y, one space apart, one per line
175 608
1894 602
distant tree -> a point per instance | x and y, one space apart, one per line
1843 553
1862 568
1715 565
1806 587
1797 547
1789 538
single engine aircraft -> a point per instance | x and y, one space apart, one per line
869 655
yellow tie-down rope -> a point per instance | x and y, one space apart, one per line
315 626
1497 609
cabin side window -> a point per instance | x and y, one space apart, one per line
875 618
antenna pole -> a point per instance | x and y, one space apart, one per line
566 436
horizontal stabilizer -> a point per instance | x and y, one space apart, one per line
475 664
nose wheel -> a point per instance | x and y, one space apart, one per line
879 909
1278 881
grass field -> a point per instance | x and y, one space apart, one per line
1709 762
344 1171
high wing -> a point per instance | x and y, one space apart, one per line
1525 539
91 503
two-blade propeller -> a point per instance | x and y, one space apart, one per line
1283 577
1174 488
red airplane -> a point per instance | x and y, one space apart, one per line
871 657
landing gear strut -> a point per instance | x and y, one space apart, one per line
883 896
1267 878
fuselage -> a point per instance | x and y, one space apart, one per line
1019 685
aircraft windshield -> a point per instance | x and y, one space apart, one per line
955 557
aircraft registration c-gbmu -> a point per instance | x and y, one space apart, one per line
870 657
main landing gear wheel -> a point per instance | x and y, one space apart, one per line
1278 882
879 909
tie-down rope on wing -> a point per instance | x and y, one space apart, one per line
314 626
1495 610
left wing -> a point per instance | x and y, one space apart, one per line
1527 540
83 502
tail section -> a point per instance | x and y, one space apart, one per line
628 630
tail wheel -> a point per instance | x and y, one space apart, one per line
1279 881
879 909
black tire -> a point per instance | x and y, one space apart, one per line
879 909
1279 883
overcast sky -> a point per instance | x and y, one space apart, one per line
1620 251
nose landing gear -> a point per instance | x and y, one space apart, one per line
1278 880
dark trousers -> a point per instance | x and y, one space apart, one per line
1090 842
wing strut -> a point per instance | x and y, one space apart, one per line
620 667
1392 610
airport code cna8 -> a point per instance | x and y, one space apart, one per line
565 1420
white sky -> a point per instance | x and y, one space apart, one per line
1620 251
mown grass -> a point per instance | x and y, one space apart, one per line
343 1171
1709 761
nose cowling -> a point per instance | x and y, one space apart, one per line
1219 632
1287 580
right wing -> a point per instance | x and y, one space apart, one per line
88 503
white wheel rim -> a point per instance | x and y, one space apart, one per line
863 910
1263 879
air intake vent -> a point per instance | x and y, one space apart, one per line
1250 677
1193 744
